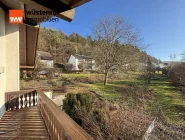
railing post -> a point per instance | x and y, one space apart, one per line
28 101
23 99
36 98
19 102
31 98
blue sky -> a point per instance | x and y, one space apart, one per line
161 22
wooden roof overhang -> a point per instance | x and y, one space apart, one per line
64 8
29 30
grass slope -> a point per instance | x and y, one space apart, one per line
169 103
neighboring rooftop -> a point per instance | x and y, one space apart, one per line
44 55
171 62
83 57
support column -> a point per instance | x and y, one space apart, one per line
12 56
9 56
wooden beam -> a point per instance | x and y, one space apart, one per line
66 15
55 5
35 55
27 67
76 3
23 8
22 45
31 44
65 1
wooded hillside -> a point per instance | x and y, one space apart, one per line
62 46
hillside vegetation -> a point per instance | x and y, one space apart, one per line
62 46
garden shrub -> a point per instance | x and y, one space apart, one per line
73 104
62 66
68 67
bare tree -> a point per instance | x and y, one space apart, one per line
178 72
173 57
150 70
113 35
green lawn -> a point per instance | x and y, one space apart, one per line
168 102
108 91
80 75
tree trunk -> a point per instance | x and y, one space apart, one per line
105 78
149 78
148 81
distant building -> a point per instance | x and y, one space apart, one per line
76 60
46 58
166 64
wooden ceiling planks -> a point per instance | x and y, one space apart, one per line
67 13
55 5
31 43
28 45
30 5
65 8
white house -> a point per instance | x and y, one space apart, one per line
76 60
165 64
46 58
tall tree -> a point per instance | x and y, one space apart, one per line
150 70
112 35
